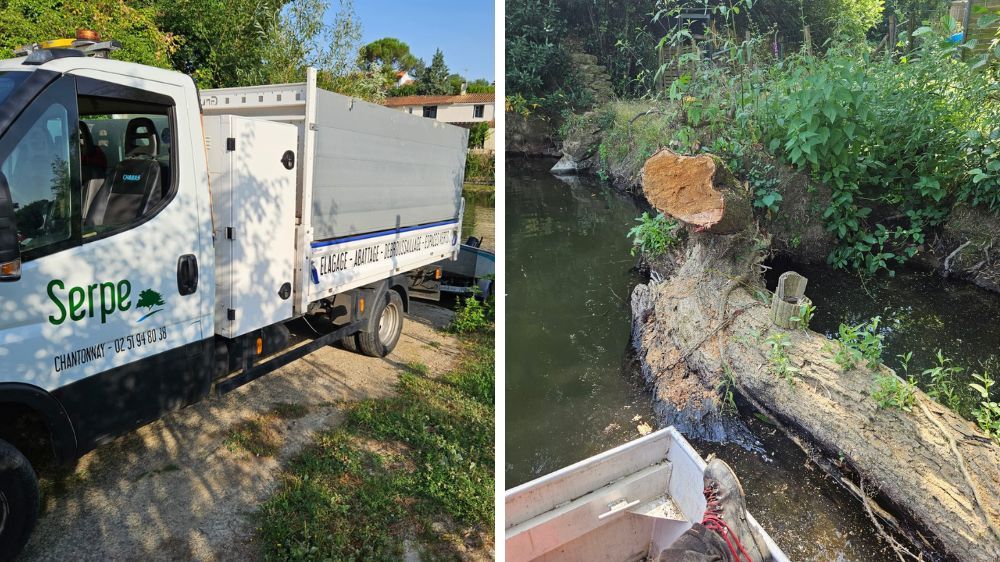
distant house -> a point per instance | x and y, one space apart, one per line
403 78
464 110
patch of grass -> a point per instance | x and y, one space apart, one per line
288 411
416 368
347 497
256 436
479 194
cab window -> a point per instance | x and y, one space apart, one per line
37 160
127 162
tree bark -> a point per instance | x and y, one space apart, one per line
934 470
699 190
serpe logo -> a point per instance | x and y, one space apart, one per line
131 177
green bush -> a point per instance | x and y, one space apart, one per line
987 413
653 236
480 167
855 344
472 316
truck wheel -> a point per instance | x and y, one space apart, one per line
18 500
350 343
388 325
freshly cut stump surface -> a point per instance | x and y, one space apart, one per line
698 190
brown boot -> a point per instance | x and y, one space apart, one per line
726 514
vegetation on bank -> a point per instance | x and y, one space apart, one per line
898 139
409 473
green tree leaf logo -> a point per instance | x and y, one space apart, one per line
149 298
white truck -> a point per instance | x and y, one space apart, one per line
155 240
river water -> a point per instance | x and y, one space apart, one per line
572 389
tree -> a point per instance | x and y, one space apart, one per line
481 86
392 54
220 43
134 25
434 78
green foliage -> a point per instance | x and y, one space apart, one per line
538 75
472 316
393 54
806 313
653 236
397 470
765 188
477 134
942 382
480 167
134 25
987 413
777 355
855 344
481 86
433 81
893 392
877 130
726 388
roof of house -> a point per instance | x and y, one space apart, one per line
439 100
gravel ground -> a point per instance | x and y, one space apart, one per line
173 490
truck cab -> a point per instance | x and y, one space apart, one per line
127 290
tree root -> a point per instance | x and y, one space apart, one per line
897 548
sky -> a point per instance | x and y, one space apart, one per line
464 30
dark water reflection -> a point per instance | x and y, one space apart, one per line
920 313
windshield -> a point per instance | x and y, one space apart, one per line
9 82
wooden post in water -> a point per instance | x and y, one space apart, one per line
789 300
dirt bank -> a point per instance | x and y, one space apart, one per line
176 489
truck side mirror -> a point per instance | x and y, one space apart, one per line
10 249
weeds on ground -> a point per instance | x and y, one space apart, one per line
987 413
893 392
942 386
855 344
725 388
256 436
781 365
415 467
472 316
653 236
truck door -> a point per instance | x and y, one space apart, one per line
112 313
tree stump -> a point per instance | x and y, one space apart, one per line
789 304
699 190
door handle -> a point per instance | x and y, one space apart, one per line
187 274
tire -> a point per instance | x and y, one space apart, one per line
350 343
385 328
18 500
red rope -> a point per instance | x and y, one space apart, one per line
712 521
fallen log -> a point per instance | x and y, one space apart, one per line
932 469
699 190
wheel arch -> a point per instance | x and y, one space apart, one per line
400 284
45 407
